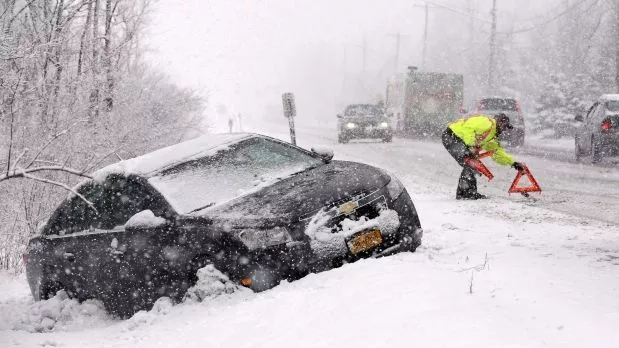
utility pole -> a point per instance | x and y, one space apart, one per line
397 53
425 38
491 62
365 54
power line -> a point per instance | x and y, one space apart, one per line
559 15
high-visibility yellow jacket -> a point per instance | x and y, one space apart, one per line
479 131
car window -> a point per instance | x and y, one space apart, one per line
498 104
591 111
241 169
118 199
115 201
612 106
598 111
363 110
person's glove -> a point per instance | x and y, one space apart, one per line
518 166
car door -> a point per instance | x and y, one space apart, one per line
128 256
585 130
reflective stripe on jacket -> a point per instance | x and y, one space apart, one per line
480 131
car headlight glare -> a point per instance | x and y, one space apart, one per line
351 125
384 125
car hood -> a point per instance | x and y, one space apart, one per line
293 198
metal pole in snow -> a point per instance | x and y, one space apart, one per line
290 111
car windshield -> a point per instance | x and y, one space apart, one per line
612 105
498 104
241 169
363 110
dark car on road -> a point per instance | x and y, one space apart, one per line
363 121
510 107
258 209
598 135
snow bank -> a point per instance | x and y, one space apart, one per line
211 283
56 314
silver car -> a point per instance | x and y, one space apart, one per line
598 135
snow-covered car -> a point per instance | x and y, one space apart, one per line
598 135
359 121
260 210
510 107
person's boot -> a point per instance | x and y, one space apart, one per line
470 196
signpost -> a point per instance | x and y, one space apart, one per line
290 112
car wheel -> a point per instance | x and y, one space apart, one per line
596 151
48 289
342 140
388 139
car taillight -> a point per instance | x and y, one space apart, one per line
606 126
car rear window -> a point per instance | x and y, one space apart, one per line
612 105
498 104
243 168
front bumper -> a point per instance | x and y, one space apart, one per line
366 132
406 235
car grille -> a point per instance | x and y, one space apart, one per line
369 211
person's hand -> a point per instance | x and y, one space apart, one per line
518 166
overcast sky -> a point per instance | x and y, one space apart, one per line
244 54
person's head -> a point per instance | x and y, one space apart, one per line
502 123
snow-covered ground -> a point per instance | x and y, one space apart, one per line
504 272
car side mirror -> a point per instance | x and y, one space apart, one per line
323 152
146 219
579 118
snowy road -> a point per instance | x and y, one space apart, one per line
504 272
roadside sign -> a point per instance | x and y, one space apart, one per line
290 109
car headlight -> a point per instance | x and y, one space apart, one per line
262 238
384 125
394 187
351 125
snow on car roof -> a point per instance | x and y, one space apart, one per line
166 157
607 97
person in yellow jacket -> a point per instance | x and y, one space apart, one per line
466 137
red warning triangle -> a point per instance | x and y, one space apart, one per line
532 187
480 167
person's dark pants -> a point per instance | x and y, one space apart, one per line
467 185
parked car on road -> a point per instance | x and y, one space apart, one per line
511 108
258 209
361 121
598 135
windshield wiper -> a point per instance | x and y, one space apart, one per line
202 207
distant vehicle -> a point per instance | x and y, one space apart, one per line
598 136
429 101
359 121
259 209
510 107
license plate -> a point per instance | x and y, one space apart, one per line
365 241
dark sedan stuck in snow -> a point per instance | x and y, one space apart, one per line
258 209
